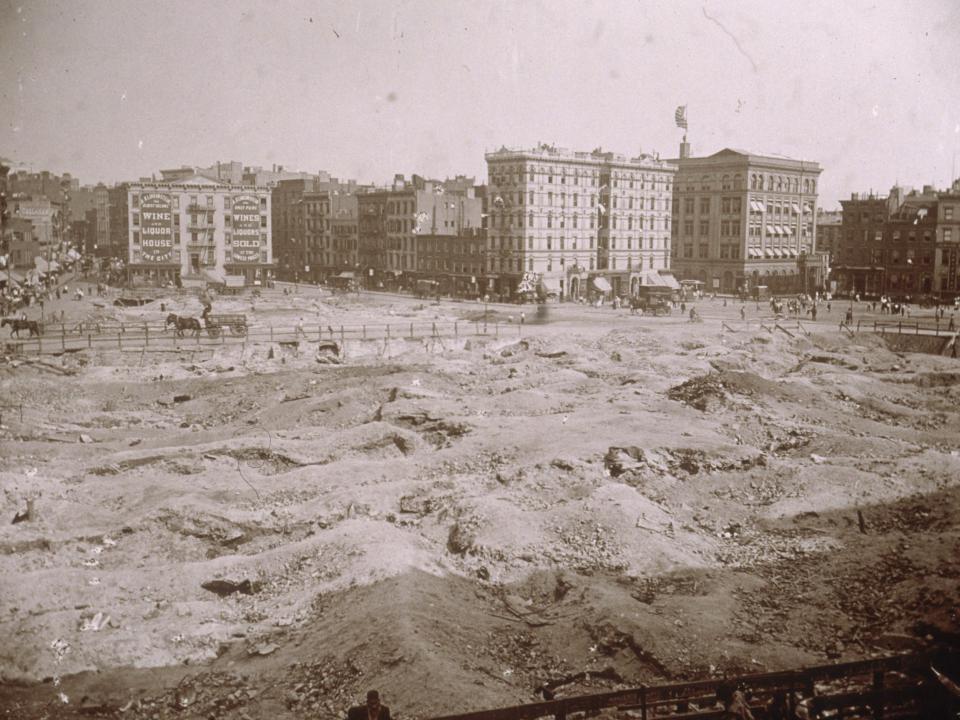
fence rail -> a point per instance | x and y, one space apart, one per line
146 338
916 327
882 693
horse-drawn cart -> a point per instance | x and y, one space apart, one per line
216 323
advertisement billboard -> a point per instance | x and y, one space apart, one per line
245 244
156 228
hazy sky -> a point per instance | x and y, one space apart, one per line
117 89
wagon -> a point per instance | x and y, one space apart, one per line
236 323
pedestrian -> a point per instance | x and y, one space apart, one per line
373 710
300 328
828 307
743 313
952 326
813 313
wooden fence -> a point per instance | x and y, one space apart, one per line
898 686
146 337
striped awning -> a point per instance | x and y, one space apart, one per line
771 230
756 205
768 252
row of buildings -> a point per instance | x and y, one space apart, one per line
570 222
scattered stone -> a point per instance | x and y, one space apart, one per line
86 439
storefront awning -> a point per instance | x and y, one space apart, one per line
796 208
550 284
756 205
768 253
601 284
669 280
771 230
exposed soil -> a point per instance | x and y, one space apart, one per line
588 503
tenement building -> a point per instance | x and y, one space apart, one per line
742 220
903 244
578 223
390 221
199 229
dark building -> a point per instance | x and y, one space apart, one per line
391 220
888 244
947 260
456 263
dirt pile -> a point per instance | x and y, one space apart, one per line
591 502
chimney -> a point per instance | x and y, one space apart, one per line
684 150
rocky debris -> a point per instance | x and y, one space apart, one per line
635 462
224 588
181 398
705 393
85 439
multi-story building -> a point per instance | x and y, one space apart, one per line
947 268
289 227
42 213
742 220
576 220
331 230
101 238
455 262
302 212
898 245
199 229
391 220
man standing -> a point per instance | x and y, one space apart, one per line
373 710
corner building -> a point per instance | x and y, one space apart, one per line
577 222
742 220
199 229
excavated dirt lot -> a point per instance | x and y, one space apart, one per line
589 503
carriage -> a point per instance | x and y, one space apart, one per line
215 324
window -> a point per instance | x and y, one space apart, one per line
725 205
948 234
704 250
688 250
688 206
947 213
704 228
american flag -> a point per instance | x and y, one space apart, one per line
680 116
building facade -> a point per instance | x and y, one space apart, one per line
198 229
904 244
564 218
391 220
742 220
947 258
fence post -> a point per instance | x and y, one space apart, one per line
39 344
364 332
63 337
456 330
271 333
411 331
89 340
496 328
120 341
899 326
146 335
434 329
341 336
388 332
858 326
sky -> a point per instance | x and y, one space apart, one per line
115 90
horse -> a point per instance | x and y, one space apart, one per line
16 325
183 323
